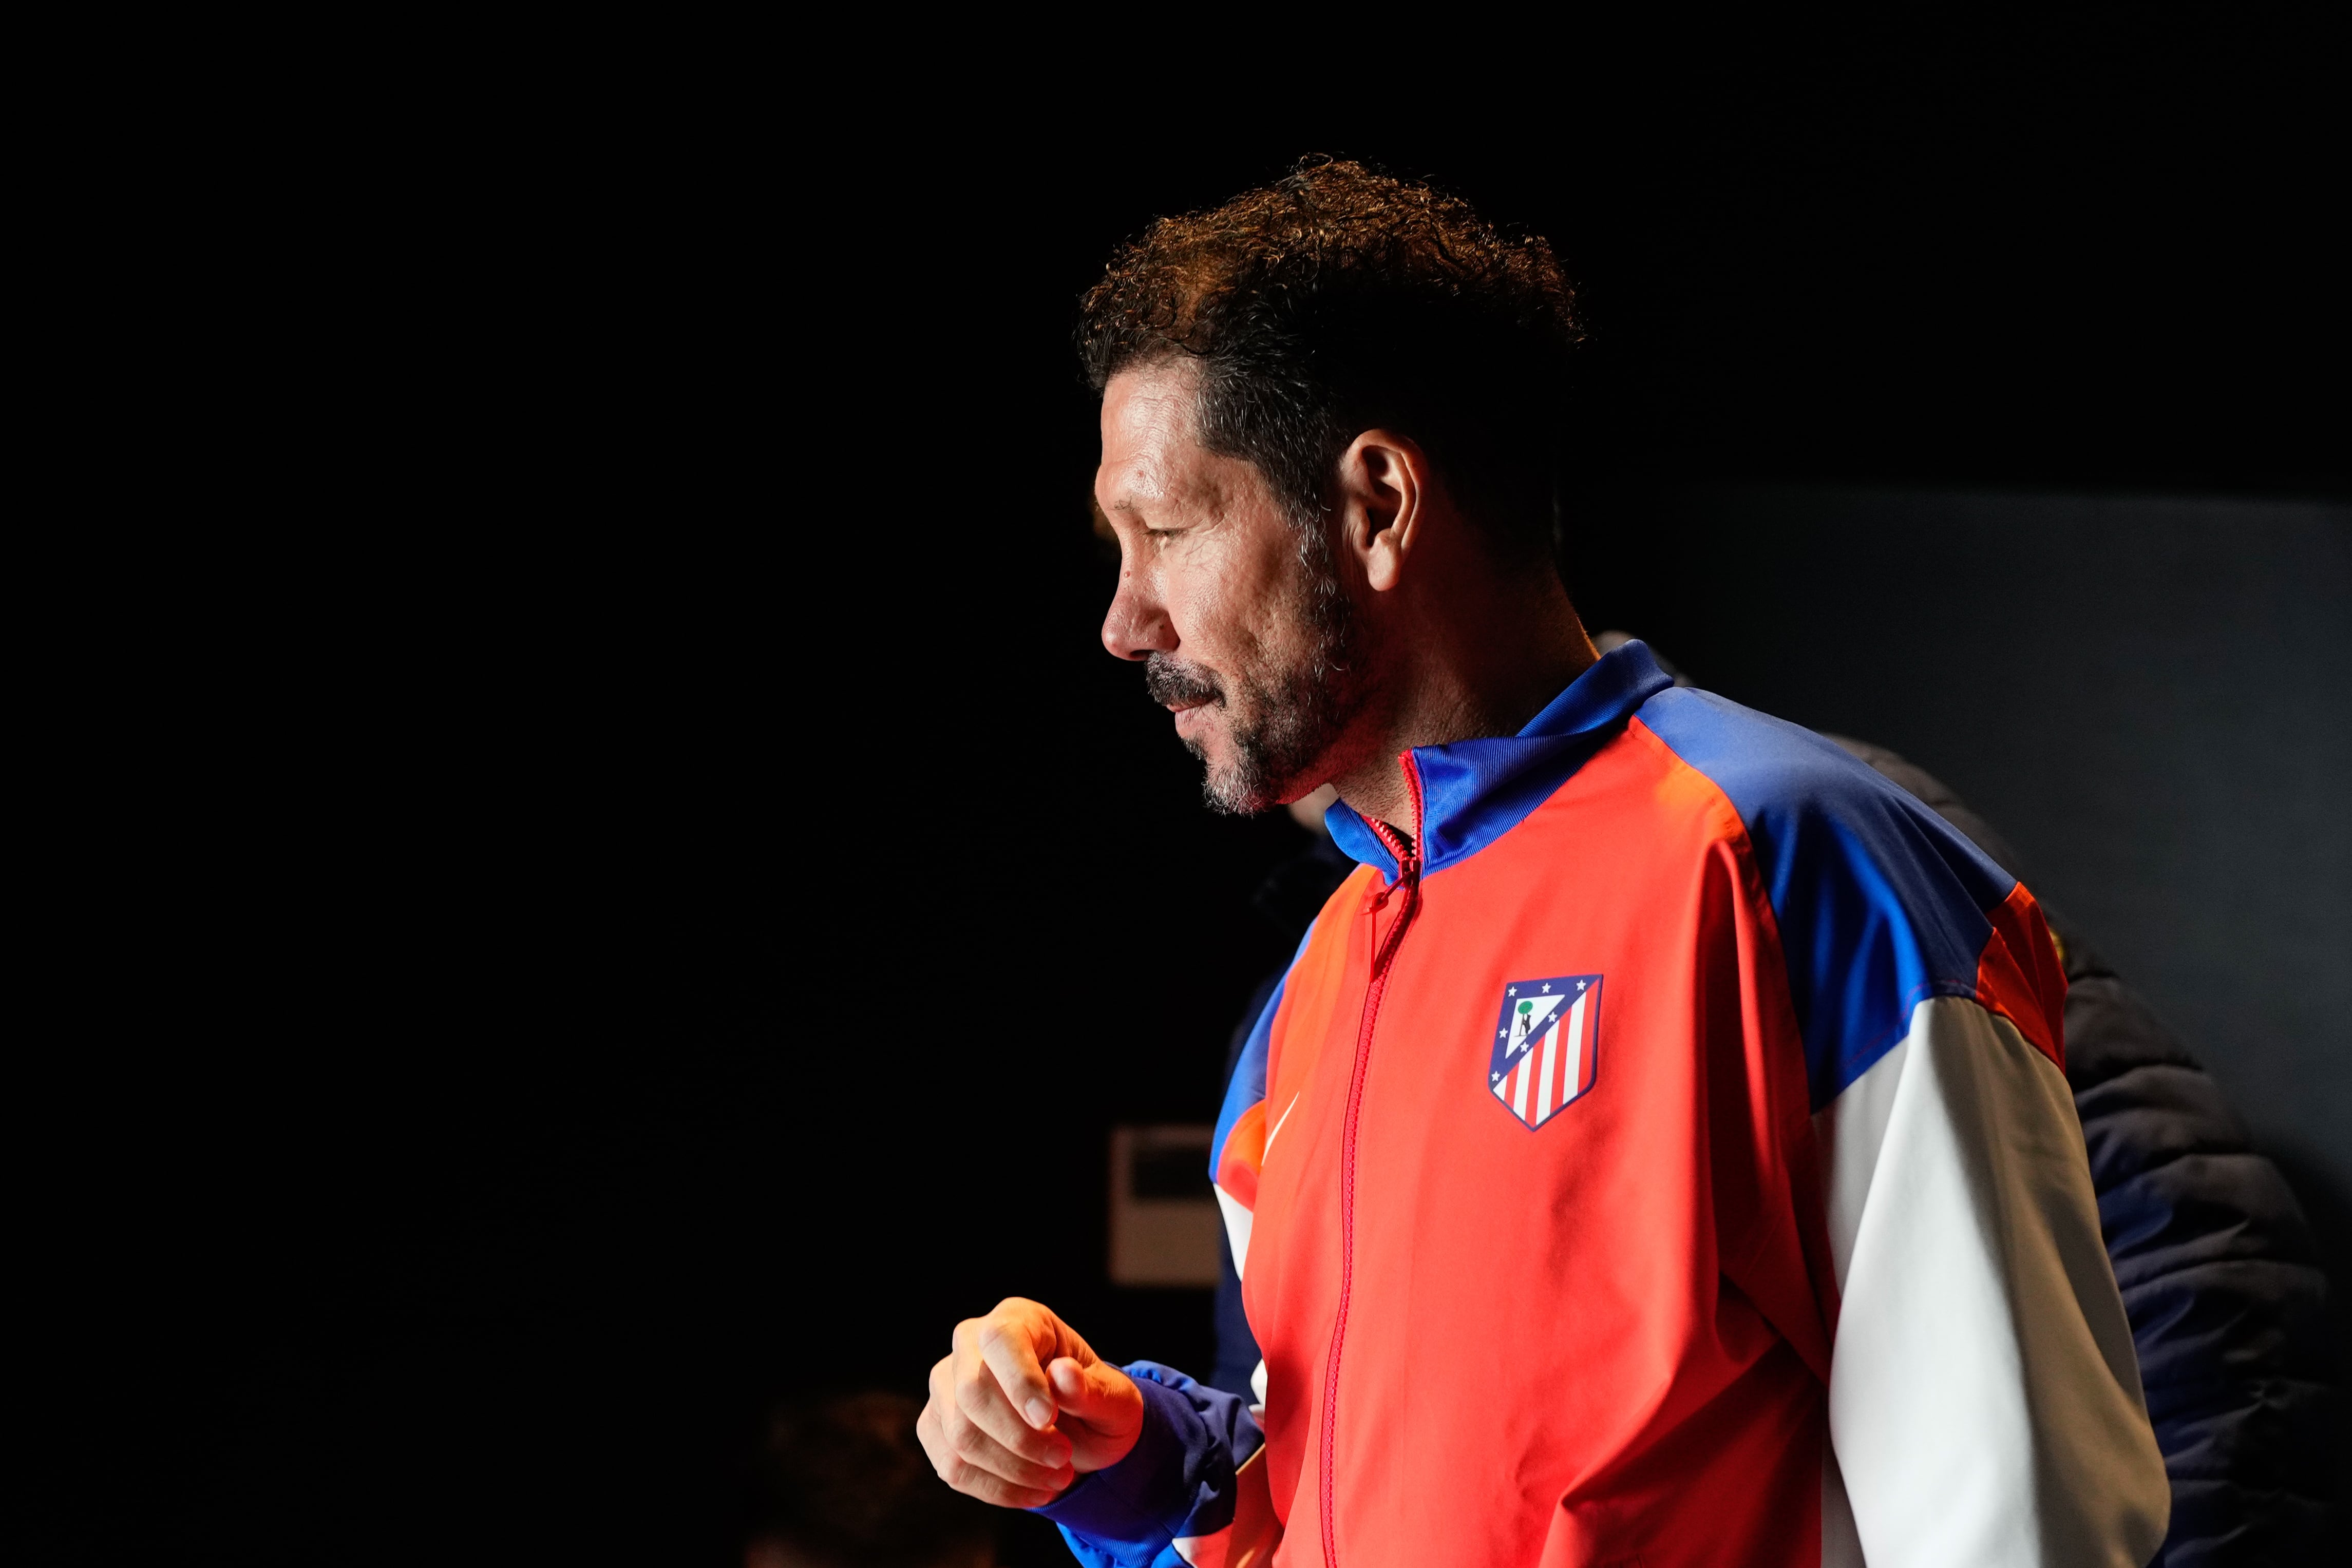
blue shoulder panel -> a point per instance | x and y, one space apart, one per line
1881 904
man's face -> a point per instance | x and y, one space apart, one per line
1242 625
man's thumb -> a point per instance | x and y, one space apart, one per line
1100 1395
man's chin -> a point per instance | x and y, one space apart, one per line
1241 776
1235 795
1237 786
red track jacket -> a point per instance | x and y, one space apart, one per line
1663 1158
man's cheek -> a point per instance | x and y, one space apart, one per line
1196 612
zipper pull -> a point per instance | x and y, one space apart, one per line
1406 854
1405 851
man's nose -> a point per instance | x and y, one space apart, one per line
1138 624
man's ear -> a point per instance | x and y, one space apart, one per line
1385 489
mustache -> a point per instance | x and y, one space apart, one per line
1172 681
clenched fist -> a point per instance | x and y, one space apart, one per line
1023 1406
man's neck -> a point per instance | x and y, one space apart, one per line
1481 677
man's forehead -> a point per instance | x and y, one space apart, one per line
1150 453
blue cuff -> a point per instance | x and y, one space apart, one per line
1178 1480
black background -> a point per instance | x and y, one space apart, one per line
636 892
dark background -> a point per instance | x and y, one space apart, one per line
636 892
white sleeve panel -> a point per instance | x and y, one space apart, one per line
1237 1226
1985 1402
1237 1235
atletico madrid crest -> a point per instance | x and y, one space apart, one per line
1545 1044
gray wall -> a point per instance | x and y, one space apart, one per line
2152 698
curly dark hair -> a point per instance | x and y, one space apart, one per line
1338 300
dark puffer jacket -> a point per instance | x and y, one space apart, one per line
2219 1274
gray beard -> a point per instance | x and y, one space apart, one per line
1299 711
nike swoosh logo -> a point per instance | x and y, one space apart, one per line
1286 1110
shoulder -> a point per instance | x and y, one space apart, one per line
1879 904
1807 805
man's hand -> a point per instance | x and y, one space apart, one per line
1023 1406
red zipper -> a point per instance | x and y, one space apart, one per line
1408 859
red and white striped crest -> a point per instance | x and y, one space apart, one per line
1546 1043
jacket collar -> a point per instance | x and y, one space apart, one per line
1474 791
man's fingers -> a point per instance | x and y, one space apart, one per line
954 1443
962 1454
965 1384
982 1452
934 1442
1007 1343
979 1400
972 1481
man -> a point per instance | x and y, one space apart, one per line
1774 1243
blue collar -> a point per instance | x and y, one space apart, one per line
1474 792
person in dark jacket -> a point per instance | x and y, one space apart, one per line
2217 1267
2219 1273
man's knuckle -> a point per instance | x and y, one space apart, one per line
1012 1315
